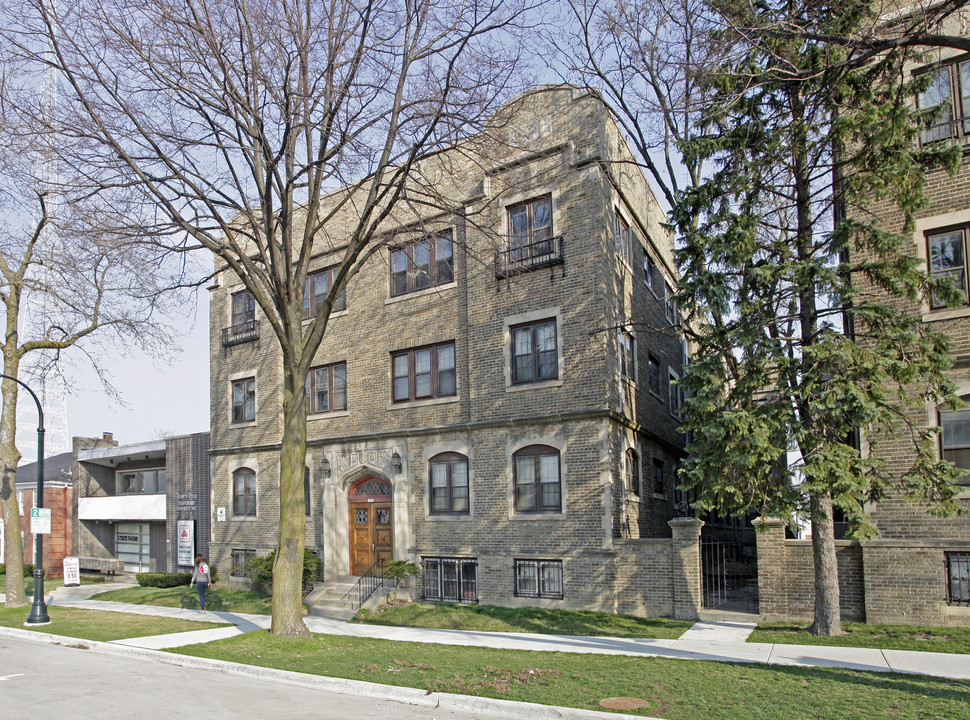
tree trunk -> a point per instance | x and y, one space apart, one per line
828 619
288 566
10 458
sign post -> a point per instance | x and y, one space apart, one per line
186 542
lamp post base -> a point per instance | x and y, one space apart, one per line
38 611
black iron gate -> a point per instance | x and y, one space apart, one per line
729 576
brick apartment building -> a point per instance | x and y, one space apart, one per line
494 399
918 570
58 497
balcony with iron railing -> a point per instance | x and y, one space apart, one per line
242 333
525 258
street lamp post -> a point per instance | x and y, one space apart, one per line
38 611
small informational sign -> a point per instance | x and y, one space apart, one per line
40 521
220 514
186 541
72 572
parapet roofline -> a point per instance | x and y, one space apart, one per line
111 456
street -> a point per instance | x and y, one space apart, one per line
68 682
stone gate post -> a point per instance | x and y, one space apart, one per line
686 567
772 575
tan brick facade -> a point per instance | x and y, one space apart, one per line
587 413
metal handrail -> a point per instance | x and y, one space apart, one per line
367 585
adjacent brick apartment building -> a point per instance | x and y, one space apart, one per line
495 396
918 570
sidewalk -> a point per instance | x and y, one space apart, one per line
722 641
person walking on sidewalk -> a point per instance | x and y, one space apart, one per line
201 578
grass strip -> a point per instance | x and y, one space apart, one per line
216 599
673 689
100 625
49 584
881 637
490 618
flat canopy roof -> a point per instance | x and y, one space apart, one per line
110 456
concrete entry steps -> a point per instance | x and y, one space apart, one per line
329 599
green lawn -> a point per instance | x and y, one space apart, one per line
49 584
100 625
218 599
672 689
883 637
527 620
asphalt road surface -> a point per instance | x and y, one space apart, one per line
58 681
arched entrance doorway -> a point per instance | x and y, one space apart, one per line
371 530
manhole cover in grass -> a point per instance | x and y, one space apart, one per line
624 703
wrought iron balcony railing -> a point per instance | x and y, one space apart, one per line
525 258
241 333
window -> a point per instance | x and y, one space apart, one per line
958 578
653 374
530 229
670 307
243 310
243 492
676 396
244 400
537 483
140 481
318 284
326 388
658 477
622 238
422 264
449 483
955 439
649 272
949 91
947 256
631 472
306 491
539 578
627 356
424 373
240 562
535 355
451 579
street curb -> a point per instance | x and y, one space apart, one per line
358 688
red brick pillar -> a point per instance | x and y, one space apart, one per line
772 575
686 567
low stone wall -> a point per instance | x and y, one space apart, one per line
894 582
905 583
644 577
660 577
786 577
800 586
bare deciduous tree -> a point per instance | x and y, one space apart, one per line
72 274
273 132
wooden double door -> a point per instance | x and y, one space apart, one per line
371 524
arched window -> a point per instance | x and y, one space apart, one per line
537 482
243 492
631 471
448 475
